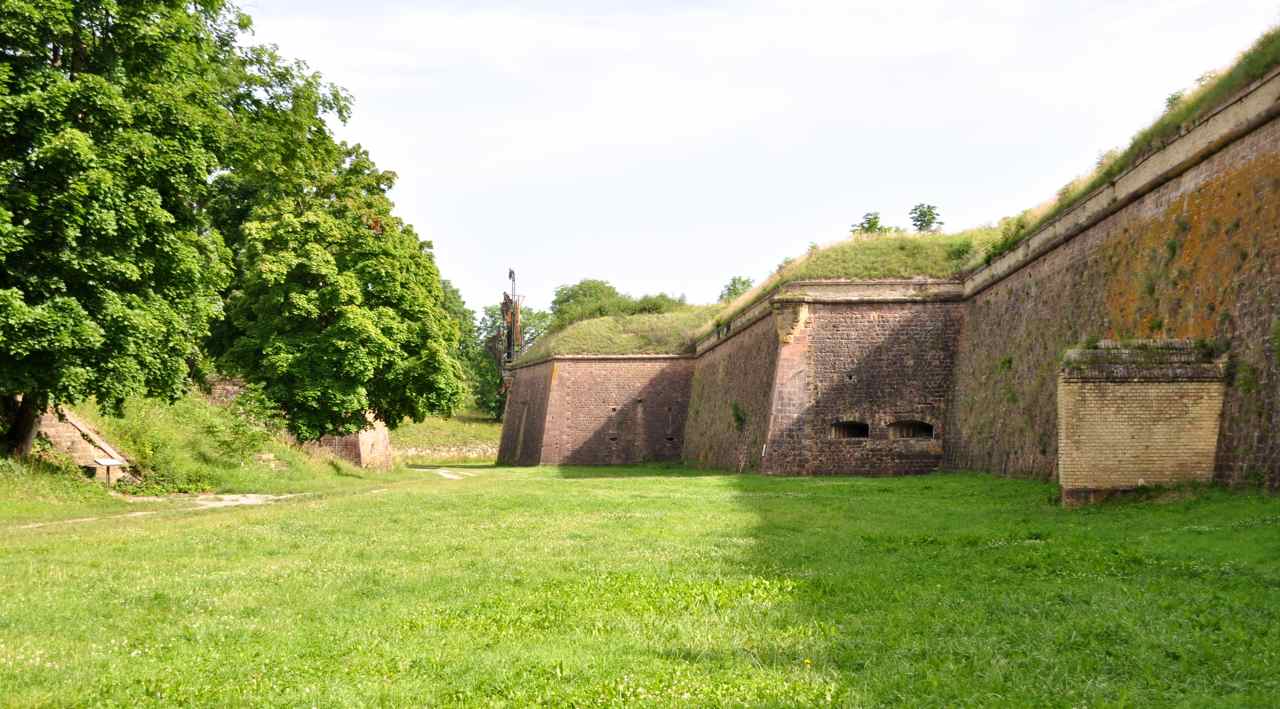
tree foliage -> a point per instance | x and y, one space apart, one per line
337 310
111 122
734 288
870 223
157 173
592 298
925 218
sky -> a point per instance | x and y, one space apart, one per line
669 146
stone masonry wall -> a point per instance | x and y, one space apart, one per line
525 416
871 363
734 376
1198 258
370 448
617 410
597 411
1118 436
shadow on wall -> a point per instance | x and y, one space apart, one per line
641 427
871 394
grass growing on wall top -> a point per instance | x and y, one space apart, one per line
665 333
868 258
1252 65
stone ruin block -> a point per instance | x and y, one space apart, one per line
90 451
370 448
1134 415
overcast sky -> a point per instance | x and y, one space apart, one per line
667 146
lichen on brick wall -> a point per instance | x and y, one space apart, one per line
729 401
1197 258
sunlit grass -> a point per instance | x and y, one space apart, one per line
655 586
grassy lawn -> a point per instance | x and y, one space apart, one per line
653 586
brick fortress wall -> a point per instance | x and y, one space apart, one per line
598 410
1184 245
862 388
1197 257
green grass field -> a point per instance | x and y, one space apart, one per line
652 586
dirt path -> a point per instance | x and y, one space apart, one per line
200 503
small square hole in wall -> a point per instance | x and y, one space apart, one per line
613 409
670 439
848 377
613 438
850 429
910 429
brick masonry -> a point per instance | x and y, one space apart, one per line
525 417
735 375
1198 257
70 435
1184 246
1134 417
370 448
602 410
877 364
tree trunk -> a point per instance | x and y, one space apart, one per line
22 431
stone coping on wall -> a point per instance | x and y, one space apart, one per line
1252 107
901 290
1142 361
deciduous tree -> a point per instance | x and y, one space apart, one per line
338 307
112 120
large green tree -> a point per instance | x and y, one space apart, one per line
338 307
112 119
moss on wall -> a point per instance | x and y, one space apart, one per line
1197 258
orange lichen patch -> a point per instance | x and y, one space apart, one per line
1177 275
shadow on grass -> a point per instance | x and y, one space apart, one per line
345 471
946 588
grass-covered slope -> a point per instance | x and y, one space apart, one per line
870 257
1214 92
190 446
469 437
653 587
195 445
665 333
38 489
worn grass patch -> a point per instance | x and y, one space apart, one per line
665 333
653 586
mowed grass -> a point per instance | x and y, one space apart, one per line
653 586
